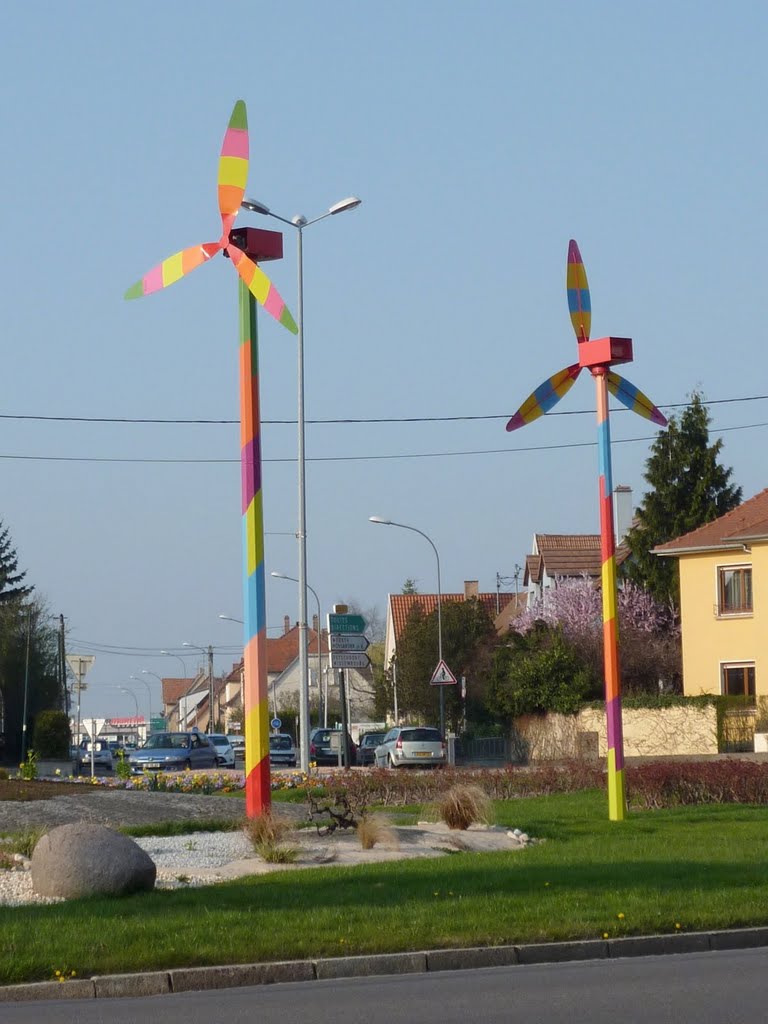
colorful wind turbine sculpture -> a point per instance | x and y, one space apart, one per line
598 356
244 247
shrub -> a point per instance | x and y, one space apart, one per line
462 806
373 829
51 734
675 783
28 768
123 767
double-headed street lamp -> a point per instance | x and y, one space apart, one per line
389 522
320 677
300 222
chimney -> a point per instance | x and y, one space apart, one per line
470 589
622 510
286 623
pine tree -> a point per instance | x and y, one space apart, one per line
10 577
689 487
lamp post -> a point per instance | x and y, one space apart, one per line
178 658
322 681
145 684
389 522
300 222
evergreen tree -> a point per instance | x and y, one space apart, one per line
11 580
689 487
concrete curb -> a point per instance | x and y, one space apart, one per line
197 979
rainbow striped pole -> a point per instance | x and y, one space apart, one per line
255 687
617 803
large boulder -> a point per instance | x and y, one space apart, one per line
87 860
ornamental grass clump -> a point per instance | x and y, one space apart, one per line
267 835
462 806
375 830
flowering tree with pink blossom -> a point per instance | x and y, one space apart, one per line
649 636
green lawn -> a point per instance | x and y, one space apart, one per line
696 867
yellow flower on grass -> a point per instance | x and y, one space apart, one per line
677 924
605 935
620 917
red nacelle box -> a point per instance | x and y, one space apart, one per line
605 352
259 244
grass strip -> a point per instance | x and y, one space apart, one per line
692 867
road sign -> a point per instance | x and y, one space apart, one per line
276 723
93 726
442 676
349 659
80 664
348 642
346 624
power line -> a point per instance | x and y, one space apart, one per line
342 420
363 458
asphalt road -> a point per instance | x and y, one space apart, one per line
728 987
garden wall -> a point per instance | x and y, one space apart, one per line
648 732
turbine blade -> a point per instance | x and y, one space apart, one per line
579 302
545 396
233 164
172 269
261 288
634 399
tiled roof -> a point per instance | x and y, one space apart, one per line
282 650
175 688
572 554
747 522
508 614
534 567
401 605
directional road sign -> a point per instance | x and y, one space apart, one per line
348 642
349 659
346 623
442 676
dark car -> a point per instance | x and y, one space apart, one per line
366 751
174 751
322 751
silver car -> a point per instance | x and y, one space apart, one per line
224 749
417 745
173 751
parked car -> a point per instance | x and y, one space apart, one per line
224 750
102 756
321 751
282 752
366 750
238 745
416 745
174 751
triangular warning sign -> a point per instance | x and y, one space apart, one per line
442 676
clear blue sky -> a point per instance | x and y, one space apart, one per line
481 137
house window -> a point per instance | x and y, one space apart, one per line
734 590
739 680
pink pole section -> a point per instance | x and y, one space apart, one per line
617 803
255 687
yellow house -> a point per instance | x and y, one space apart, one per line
724 602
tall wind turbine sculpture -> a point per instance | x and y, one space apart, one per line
598 356
244 247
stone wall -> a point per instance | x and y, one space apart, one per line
648 732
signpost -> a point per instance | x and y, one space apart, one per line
347 650
93 727
79 665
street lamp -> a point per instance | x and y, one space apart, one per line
300 222
146 672
231 618
178 658
136 703
389 522
322 680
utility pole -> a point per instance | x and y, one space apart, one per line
26 686
63 666
211 722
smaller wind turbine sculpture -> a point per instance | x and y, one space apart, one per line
598 356
244 247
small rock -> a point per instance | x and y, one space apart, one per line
517 832
524 837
